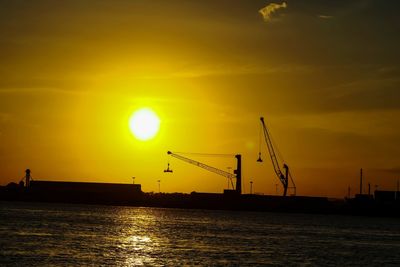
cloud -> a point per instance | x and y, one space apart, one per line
325 17
268 10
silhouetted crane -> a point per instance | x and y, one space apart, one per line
237 173
284 178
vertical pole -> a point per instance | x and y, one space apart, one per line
159 186
361 181
251 187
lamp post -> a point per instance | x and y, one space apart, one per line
133 180
159 186
251 187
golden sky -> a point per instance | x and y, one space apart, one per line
324 74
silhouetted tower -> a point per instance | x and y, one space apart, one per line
27 177
361 181
238 173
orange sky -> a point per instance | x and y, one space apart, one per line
324 74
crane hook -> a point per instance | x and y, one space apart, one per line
259 158
168 169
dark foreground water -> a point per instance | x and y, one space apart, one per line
36 234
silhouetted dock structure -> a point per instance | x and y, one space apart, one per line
77 192
72 192
382 203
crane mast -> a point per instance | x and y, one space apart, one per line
237 173
284 178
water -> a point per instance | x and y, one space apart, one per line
36 234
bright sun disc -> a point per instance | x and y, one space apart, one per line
144 124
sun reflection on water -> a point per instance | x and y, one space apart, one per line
118 236
136 237
140 239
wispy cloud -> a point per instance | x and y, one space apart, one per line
268 10
325 17
233 69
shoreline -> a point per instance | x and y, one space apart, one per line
211 201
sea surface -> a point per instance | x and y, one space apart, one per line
37 234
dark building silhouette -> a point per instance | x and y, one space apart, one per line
53 186
387 196
81 192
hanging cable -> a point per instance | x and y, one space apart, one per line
278 152
206 154
259 144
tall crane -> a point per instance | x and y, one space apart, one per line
284 178
237 173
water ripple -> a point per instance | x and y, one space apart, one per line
69 235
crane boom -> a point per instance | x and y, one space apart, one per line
237 173
284 178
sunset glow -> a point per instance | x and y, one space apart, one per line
144 124
75 76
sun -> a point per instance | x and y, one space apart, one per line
144 124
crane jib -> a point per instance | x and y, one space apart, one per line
237 175
284 178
